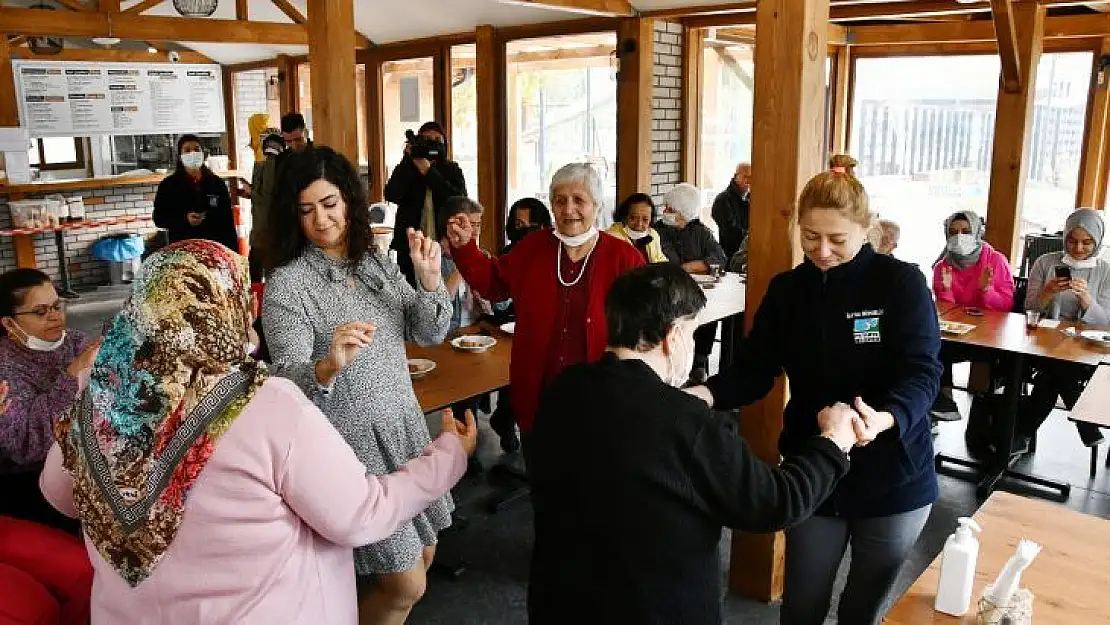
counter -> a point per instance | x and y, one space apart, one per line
113 205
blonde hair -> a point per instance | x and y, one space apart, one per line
838 189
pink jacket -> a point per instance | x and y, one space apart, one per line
965 291
269 527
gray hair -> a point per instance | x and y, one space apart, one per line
894 229
685 199
583 174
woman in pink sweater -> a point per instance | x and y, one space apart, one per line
970 273
208 491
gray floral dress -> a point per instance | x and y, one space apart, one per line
371 402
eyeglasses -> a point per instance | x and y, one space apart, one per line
44 309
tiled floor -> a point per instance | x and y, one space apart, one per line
496 546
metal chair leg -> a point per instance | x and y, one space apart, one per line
1094 460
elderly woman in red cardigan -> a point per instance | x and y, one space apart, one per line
557 279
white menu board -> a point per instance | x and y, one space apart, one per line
75 98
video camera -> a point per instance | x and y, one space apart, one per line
423 147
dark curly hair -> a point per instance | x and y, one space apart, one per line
632 200
284 239
14 285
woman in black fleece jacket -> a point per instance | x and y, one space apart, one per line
847 325
633 479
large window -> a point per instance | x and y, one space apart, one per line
562 108
304 103
408 100
464 115
726 109
923 131
254 91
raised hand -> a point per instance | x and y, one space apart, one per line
194 219
346 342
871 422
427 259
422 165
467 432
986 277
3 397
84 361
459 231
946 277
837 423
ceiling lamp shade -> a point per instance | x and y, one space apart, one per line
45 45
195 8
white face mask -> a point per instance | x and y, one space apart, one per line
682 353
670 219
579 240
1090 263
635 235
961 244
192 160
36 344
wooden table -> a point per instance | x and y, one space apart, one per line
461 375
1069 577
1007 334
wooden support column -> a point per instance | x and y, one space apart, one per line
489 79
375 123
692 73
635 47
789 111
1093 169
331 57
1012 123
9 108
1005 29
287 84
842 99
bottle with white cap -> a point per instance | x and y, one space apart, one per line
957 569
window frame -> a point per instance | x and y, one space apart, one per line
79 150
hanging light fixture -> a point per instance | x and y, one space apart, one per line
45 45
195 8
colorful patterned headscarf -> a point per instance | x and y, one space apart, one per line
172 375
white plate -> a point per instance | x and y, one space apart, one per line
473 343
955 328
1096 337
509 328
702 278
420 367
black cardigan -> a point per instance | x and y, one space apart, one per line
867 328
632 482
177 196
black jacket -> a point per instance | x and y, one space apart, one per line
694 242
867 328
731 210
632 482
177 196
407 187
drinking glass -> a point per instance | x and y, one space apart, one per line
1032 318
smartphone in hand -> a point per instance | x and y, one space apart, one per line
1063 272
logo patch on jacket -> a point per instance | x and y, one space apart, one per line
866 326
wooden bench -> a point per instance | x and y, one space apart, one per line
1094 407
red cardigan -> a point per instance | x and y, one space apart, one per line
527 275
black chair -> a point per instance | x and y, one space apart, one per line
1037 245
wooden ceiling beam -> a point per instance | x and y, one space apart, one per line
109 55
76 5
607 8
141 7
1061 27
293 14
242 10
149 27
1002 13
705 9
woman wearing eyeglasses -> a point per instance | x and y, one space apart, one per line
43 364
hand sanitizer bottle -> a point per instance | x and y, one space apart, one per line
957 569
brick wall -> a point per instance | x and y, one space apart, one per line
666 114
85 272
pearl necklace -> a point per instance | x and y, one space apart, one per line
559 265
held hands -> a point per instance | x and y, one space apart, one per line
84 361
194 219
838 424
986 277
459 231
467 432
870 423
1056 285
427 259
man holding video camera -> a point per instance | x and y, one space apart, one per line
420 185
